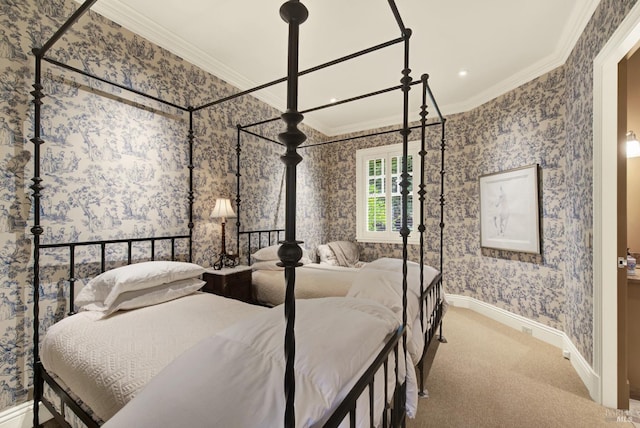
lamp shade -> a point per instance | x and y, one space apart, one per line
633 145
223 209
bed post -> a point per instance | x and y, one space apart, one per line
421 193
404 184
190 197
37 231
238 175
37 187
443 148
293 13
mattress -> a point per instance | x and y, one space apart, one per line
106 362
312 281
315 280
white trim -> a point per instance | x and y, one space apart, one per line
605 81
122 14
21 416
540 331
583 11
118 11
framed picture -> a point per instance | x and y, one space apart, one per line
509 218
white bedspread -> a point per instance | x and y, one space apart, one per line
381 281
313 280
235 378
106 362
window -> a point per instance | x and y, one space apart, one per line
378 193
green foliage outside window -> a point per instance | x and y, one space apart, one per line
376 194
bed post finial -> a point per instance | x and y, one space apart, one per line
294 13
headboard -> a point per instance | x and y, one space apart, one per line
252 240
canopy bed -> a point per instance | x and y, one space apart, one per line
328 278
378 388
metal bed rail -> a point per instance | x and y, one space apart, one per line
348 405
65 400
72 246
41 376
271 236
433 297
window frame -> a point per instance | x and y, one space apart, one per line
362 158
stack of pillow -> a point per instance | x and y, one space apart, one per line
138 285
267 258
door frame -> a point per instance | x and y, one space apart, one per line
605 224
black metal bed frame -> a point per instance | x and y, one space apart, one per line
294 13
432 293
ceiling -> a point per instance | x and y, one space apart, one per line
500 43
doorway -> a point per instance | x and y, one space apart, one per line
632 220
606 145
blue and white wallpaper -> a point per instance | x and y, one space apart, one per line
579 175
523 127
547 121
114 165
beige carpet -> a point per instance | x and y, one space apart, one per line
490 375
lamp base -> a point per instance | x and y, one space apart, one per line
226 260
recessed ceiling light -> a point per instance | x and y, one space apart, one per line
462 73
333 100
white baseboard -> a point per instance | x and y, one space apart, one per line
21 416
540 331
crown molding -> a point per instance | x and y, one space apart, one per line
118 11
583 11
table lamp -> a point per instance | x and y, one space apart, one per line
224 211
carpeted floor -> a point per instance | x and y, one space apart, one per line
490 375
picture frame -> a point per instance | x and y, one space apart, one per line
509 216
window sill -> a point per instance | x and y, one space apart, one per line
410 241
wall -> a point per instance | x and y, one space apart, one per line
113 164
523 127
339 186
579 174
548 121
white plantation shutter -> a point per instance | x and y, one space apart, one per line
379 197
376 195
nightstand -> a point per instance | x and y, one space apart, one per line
232 282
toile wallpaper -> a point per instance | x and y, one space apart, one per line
547 121
579 175
115 165
523 127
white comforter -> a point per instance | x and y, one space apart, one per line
313 280
381 281
235 378
105 362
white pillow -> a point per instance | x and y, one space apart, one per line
106 287
148 296
267 253
267 265
327 256
271 253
